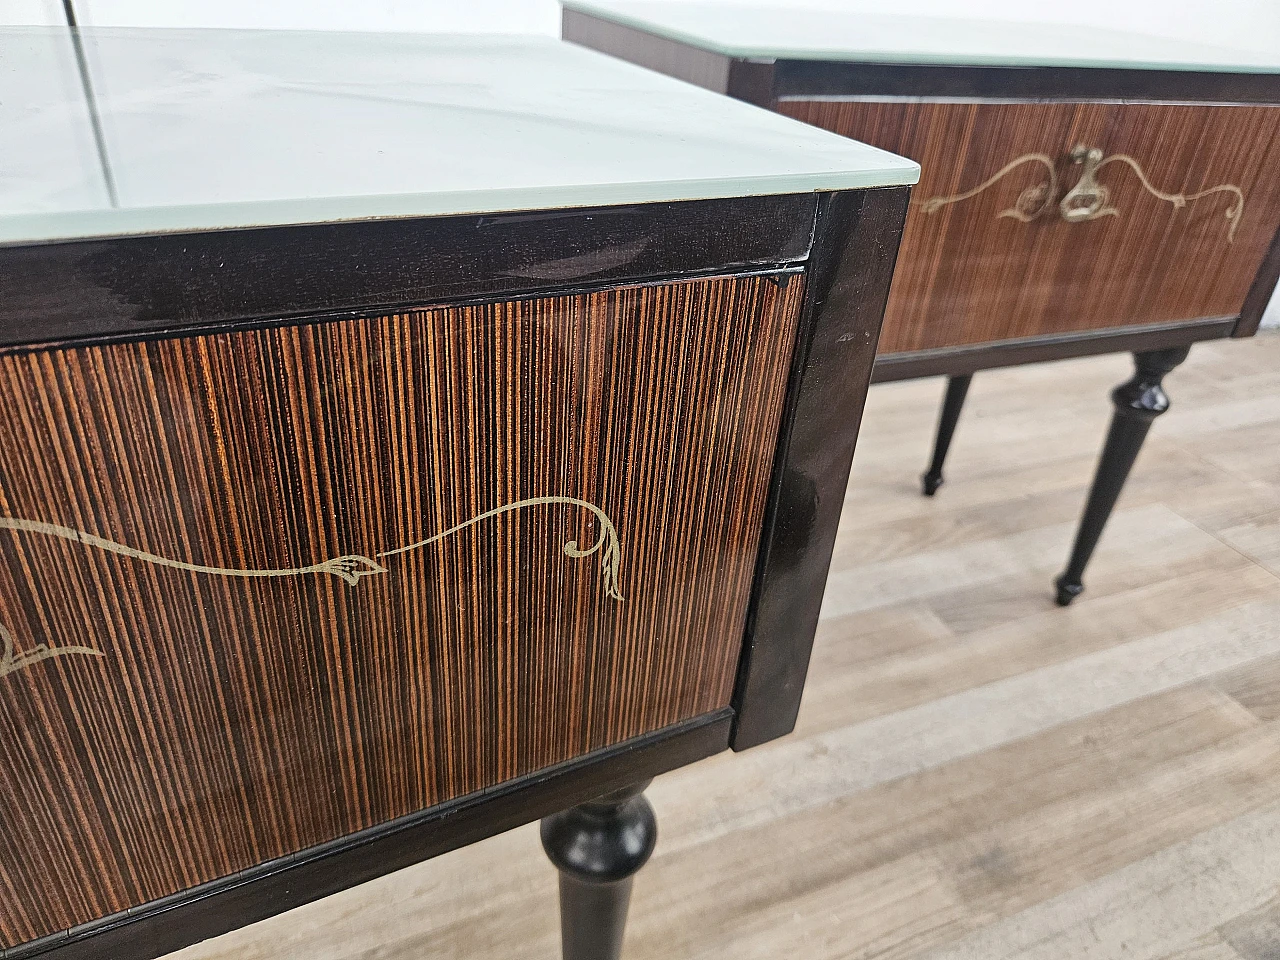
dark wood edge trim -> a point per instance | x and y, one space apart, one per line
85 289
799 79
749 80
953 361
752 81
703 68
773 270
1260 294
166 925
848 285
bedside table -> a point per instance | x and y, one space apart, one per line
404 438
1083 191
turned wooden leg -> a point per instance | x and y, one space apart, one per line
952 404
1138 402
598 847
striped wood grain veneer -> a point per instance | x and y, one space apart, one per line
216 720
966 274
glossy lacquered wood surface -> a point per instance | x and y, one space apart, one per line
227 719
195 282
856 242
968 275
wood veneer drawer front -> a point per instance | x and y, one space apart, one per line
262 589
1188 205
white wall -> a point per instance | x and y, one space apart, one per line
438 16
40 13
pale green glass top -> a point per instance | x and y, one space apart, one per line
763 32
211 129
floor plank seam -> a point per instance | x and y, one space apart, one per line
1252 559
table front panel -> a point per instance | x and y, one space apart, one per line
1187 204
262 589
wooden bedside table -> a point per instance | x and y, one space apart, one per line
404 438
1083 191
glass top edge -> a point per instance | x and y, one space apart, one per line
907 57
30 229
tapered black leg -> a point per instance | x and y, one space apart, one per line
952 404
1138 402
598 847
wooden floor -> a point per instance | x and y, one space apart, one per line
976 773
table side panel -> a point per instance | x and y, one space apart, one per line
998 263
265 588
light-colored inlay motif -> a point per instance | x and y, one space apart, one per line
349 568
1088 199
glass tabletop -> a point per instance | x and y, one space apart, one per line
144 131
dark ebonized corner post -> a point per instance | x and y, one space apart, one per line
598 847
1138 402
855 248
1260 294
952 404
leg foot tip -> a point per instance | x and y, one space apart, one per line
1067 591
930 483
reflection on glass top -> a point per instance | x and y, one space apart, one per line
757 30
211 129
